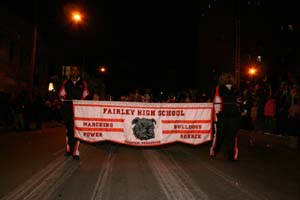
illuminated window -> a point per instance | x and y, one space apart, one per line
51 87
258 58
290 27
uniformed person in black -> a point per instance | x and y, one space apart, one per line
227 117
71 89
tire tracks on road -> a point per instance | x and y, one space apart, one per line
235 183
41 185
104 177
174 181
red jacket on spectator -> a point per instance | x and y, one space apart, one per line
270 108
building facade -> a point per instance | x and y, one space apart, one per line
17 51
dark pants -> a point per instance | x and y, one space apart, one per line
71 141
293 126
227 128
282 123
270 124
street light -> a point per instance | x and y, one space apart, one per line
252 71
77 17
102 69
75 14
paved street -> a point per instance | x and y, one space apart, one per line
33 167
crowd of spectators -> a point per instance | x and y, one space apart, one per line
272 111
20 112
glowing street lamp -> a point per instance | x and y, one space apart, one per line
76 17
102 69
252 71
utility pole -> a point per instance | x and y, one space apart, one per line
237 56
33 59
34 48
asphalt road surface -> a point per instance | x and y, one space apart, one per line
33 167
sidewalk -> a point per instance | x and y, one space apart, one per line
45 125
52 124
257 138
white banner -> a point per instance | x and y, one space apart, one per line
142 124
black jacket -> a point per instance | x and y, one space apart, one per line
229 103
70 91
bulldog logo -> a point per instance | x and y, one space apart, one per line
143 128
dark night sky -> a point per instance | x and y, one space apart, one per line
142 43
150 43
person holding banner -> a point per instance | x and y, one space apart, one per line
226 117
71 89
